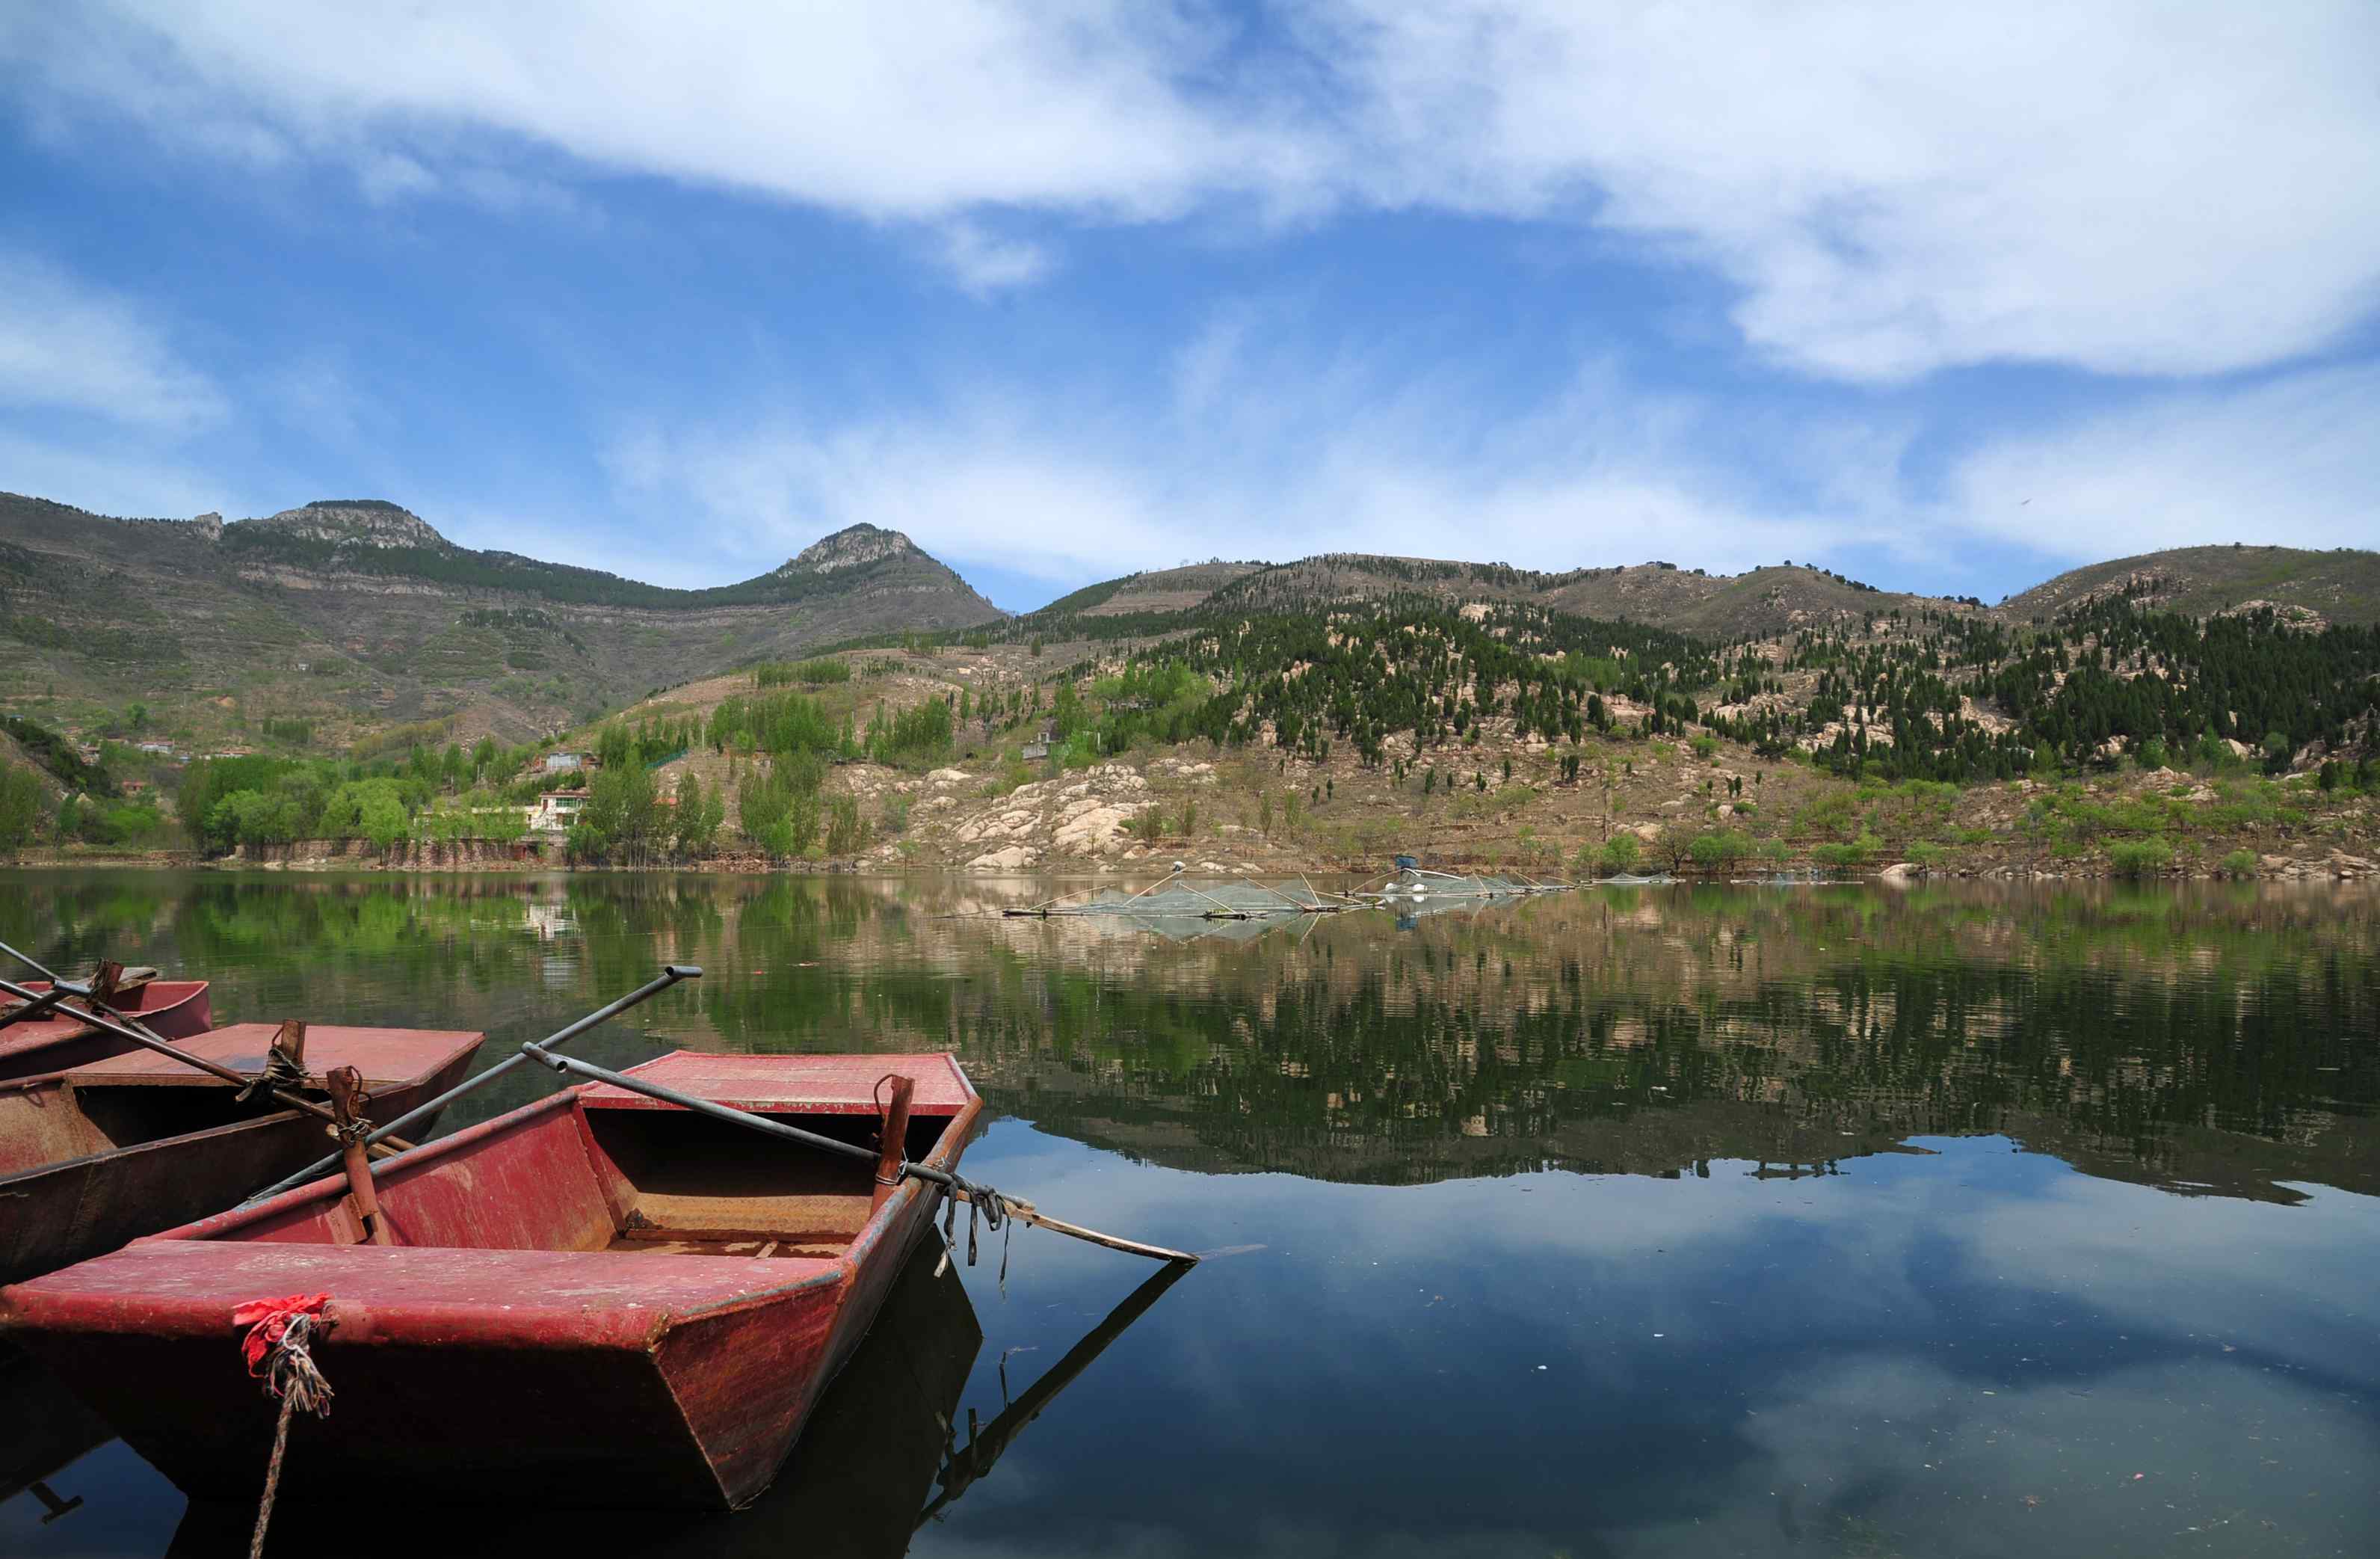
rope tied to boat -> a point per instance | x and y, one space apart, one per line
985 1206
279 1351
281 1070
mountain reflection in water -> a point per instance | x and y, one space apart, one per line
2201 1040
1662 1220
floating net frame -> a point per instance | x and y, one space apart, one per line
1181 898
1414 884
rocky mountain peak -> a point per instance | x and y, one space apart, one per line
371 522
848 548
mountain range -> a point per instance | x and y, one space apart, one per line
360 609
358 614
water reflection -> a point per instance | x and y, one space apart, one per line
1657 1222
884 1453
2211 1042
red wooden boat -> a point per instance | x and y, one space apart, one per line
175 1009
119 1148
596 1299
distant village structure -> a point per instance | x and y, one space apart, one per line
556 811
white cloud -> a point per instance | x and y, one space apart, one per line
110 481
66 343
1263 444
2136 187
985 263
2288 460
1065 510
1267 449
915 112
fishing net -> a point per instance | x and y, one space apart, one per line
1428 885
1177 899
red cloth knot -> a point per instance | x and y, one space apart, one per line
268 1321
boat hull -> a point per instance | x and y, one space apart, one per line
536 1361
175 1009
86 1204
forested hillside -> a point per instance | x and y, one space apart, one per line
342 672
2341 586
355 615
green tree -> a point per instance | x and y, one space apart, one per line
695 826
1675 843
22 804
1718 849
845 833
2140 858
622 814
372 809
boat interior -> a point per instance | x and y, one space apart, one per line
175 1008
622 1178
44 1120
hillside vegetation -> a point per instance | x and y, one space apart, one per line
2335 586
354 616
1324 712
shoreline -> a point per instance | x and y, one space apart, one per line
2332 865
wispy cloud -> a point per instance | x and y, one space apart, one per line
1266 444
107 479
910 112
2138 188
67 344
984 262
1270 446
2290 459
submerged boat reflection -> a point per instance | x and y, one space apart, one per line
879 1460
43 1428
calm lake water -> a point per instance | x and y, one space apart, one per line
1632 1222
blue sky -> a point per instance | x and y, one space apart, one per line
1948 302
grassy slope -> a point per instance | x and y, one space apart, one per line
2341 587
214 638
1533 822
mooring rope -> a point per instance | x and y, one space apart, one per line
985 1206
279 1352
279 1072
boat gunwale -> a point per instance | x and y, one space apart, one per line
66 1023
949 1147
65 1084
24 1042
178 1140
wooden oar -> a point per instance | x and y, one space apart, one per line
213 1068
37 1009
964 1190
671 974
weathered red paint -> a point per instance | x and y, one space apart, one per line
175 1009
592 1300
132 1144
